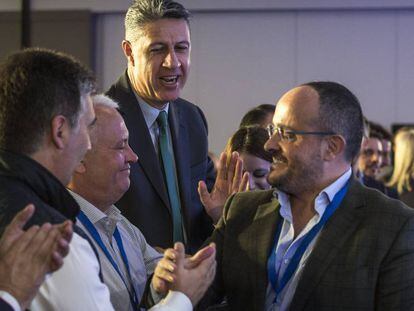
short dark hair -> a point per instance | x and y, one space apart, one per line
340 112
35 86
251 140
257 115
379 131
142 12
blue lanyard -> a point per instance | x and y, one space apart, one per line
95 235
293 265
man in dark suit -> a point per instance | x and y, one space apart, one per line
162 200
320 240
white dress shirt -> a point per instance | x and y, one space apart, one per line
142 257
10 300
150 115
175 301
288 244
76 285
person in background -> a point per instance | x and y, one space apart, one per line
249 143
370 164
261 115
27 256
370 157
168 133
403 176
386 141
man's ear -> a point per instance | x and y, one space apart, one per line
59 131
127 48
335 146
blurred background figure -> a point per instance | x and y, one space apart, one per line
355 161
385 138
261 115
403 176
249 143
370 162
370 157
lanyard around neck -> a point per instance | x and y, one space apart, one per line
97 238
307 239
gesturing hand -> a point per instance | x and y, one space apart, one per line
230 179
189 275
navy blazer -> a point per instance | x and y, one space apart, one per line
146 203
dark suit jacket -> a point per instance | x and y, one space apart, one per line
380 186
408 198
146 203
4 306
363 258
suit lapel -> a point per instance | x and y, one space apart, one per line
264 225
140 140
334 234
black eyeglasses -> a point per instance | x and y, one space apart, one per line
291 135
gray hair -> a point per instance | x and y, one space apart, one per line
103 100
146 11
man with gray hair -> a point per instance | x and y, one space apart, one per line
127 260
169 134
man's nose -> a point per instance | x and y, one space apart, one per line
272 143
171 60
375 157
131 156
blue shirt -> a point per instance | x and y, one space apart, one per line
288 244
150 115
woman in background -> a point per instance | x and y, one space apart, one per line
403 175
249 143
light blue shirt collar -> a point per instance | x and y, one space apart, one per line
322 200
150 113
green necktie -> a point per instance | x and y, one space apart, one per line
167 156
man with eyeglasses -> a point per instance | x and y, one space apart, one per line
320 240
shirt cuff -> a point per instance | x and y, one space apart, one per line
178 300
10 300
156 297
